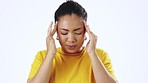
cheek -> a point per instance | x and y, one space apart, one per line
62 38
80 37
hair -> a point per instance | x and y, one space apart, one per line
70 7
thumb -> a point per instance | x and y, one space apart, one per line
87 43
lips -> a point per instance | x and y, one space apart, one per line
71 47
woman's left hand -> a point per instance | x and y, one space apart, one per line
91 45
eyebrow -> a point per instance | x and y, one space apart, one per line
77 29
73 30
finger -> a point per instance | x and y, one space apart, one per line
96 37
49 29
86 26
87 43
90 33
54 30
92 36
87 29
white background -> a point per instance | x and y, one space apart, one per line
121 26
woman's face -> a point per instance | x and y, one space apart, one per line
71 33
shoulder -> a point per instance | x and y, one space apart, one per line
103 55
42 53
101 51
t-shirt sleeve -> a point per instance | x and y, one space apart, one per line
35 65
106 61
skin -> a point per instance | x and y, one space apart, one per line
71 35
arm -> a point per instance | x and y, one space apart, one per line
43 74
100 73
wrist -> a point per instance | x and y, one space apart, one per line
93 56
50 55
92 53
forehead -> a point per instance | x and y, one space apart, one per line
70 22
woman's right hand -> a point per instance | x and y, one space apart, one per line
50 42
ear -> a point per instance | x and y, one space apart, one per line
85 38
57 37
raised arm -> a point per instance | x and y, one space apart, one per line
43 74
100 72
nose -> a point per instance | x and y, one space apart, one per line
71 38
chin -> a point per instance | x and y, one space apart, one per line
71 51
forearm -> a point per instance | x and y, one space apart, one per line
100 73
43 74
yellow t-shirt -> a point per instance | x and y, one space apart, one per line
71 68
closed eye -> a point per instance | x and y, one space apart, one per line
78 33
64 33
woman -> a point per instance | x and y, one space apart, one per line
71 63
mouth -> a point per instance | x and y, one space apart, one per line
71 47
